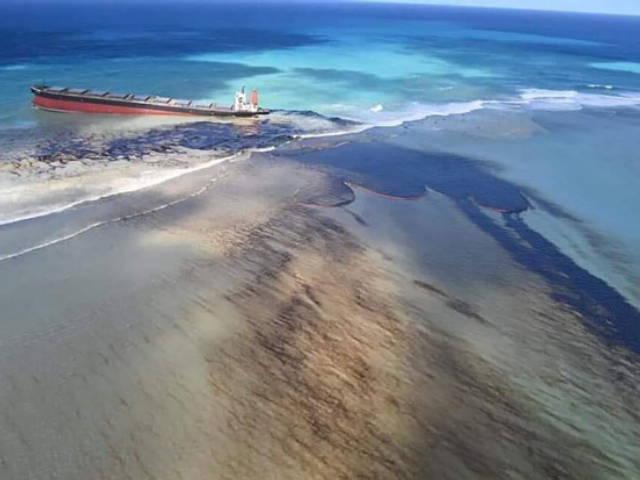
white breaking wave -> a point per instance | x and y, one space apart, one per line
336 133
128 185
536 99
416 111
573 100
539 93
413 112
597 85
101 223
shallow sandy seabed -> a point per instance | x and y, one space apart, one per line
248 333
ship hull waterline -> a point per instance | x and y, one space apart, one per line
90 105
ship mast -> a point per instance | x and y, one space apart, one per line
241 104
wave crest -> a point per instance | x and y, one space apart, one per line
574 100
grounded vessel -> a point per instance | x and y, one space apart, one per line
80 100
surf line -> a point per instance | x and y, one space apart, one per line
160 180
131 216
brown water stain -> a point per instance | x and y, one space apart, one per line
330 380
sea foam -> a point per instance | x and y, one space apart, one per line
413 112
566 100
125 184
534 98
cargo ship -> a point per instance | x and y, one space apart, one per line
61 99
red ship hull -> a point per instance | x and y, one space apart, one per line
74 100
57 105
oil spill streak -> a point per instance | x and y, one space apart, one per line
602 308
198 135
400 172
